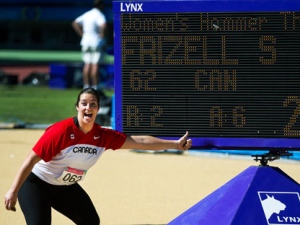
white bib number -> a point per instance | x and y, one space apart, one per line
71 176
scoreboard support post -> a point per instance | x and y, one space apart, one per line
258 195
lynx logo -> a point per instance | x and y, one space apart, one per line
280 207
131 7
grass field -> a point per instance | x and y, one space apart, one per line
46 56
41 56
37 105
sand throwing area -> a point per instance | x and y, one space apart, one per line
135 188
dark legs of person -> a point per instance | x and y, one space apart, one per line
77 206
35 202
36 197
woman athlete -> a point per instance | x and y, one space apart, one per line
49 176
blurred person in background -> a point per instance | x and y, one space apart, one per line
90 26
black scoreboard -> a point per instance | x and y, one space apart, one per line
227 71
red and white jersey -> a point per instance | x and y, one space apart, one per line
67 153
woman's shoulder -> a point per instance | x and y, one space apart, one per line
62 124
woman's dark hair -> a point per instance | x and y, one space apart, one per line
91 91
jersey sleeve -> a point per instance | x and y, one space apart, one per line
79 19
113 139
49 143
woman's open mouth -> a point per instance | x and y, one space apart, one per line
88 115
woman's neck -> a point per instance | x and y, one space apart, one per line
85 128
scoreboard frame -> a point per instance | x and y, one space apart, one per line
128 9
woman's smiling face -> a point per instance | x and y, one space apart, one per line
87 108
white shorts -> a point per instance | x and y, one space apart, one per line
91 55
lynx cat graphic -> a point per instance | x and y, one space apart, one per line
281 208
